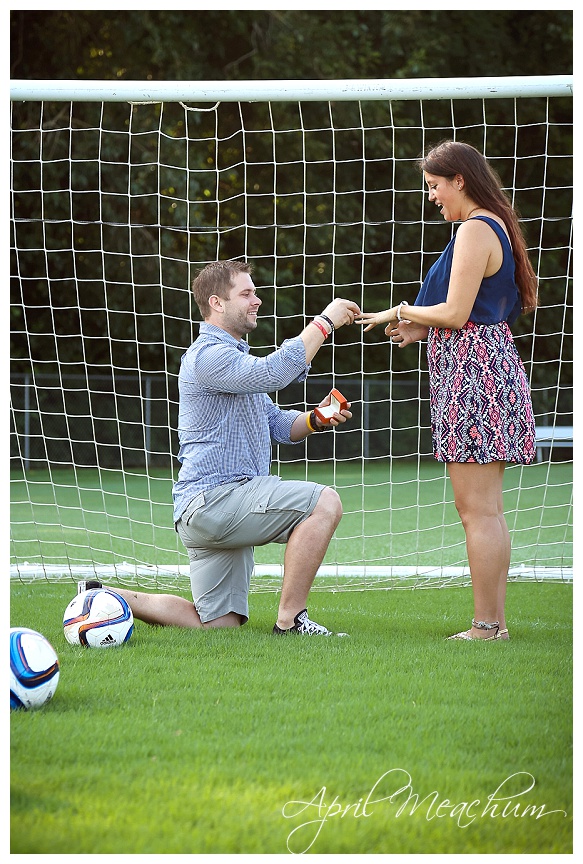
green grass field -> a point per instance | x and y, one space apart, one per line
391 741
395 513
201 742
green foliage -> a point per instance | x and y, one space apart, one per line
189 742
169 197
242 44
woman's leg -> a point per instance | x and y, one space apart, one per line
478 499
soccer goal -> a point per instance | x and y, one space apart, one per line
121 191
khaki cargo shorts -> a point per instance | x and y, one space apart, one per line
221 527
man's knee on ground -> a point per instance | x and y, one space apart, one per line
231 619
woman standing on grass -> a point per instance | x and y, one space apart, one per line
481 409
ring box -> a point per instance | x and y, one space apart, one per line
337 403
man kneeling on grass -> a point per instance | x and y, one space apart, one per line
226 502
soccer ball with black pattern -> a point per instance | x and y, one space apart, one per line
98 618
34 669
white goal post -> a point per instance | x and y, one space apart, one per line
122 190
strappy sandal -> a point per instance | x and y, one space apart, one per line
479 625
504 635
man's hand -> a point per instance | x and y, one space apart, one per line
336 314
337 417
341 312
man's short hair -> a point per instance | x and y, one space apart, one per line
216 278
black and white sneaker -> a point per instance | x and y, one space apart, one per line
305 627
87 585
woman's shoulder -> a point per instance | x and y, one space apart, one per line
483 221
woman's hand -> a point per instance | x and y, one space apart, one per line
372 319
405 332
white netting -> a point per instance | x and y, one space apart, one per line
115 205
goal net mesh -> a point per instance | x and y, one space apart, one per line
114 208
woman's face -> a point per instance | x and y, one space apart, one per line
447 194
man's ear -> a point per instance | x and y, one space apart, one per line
216 303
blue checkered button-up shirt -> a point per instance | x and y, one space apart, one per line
226 420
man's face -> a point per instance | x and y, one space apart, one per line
240 310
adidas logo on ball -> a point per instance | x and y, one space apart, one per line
98 618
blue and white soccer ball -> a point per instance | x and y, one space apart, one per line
34 669
98 618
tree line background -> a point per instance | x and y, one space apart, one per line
255 45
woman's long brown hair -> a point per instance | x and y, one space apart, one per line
483 185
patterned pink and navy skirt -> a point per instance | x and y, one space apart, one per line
481 408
